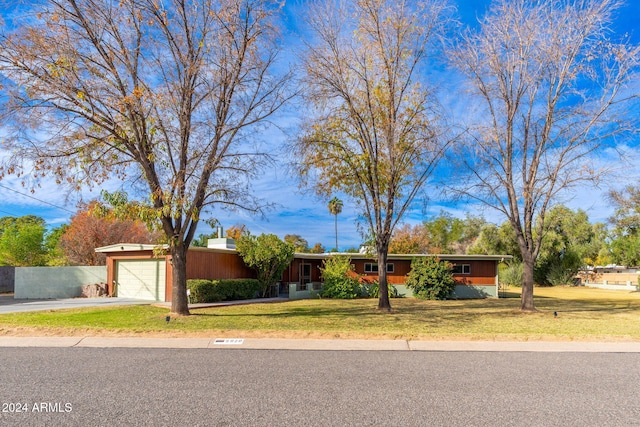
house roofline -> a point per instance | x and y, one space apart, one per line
131 247
134 247
446 257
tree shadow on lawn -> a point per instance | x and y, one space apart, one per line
283 311
405 309
551 303
545 302
419 309
418 318
603 306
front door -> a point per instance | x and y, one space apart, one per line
305 275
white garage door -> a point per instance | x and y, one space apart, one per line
142 279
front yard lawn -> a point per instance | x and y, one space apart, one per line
582 314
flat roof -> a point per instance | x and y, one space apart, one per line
135 247
392 257
121 247
132 247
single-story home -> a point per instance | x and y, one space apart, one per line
134 271
609 275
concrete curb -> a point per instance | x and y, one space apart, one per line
39 341
107 342
528 346
330 344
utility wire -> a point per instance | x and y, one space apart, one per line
35 198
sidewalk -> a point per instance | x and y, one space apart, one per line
329 344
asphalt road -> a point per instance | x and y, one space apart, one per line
213 387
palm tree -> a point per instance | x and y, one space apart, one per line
335 207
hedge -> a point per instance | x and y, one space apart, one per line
204 290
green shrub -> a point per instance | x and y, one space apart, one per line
236 289
431 278
557 269
511 274
267 255
558 275
205 291
340 280
202 291
373 291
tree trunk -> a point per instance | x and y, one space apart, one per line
526 301
383 299
179 301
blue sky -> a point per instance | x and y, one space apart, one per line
300 212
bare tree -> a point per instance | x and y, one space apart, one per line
552 88
373 133
162 91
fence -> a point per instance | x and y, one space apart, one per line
615 285
55 282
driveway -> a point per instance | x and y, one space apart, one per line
10 305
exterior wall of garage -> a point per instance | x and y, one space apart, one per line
205 264
141 278
113 257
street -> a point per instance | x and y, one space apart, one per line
239 387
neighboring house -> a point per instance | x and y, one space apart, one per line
609 275
134 271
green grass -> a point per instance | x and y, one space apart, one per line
583 314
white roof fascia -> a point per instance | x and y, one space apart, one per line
128 247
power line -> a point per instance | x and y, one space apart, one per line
35 198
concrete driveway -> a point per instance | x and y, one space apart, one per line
10 305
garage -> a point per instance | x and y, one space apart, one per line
141 278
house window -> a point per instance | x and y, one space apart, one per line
370 267
462 269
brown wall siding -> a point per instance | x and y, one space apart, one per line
292 273
400 270
216 265
482 272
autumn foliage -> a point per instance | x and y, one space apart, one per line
410 240
88 231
